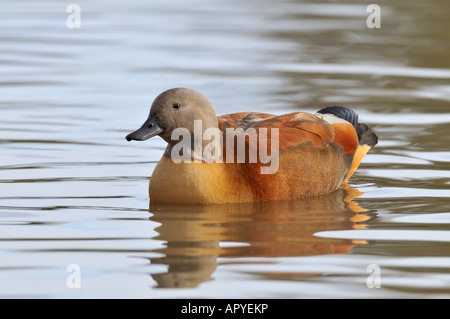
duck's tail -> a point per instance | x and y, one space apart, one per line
366 136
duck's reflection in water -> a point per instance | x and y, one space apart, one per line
196 236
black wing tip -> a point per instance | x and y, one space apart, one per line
365 134
342 112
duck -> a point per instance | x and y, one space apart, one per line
249 156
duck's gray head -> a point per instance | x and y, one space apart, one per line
175 108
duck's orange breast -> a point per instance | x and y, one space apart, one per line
198 183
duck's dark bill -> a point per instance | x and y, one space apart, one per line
149 129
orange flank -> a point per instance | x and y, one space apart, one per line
346 136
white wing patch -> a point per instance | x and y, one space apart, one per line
331 119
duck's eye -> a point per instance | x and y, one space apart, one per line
176 105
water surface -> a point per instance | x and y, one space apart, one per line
74 192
